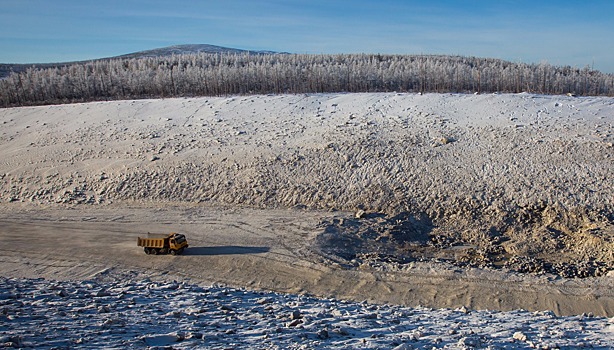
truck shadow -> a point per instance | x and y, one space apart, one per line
225 250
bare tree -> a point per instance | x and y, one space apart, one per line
227 74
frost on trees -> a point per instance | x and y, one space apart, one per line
205 74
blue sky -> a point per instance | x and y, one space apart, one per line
576 33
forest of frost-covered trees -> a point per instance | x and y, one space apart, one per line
218 74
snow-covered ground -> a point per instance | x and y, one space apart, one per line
293 193
122 314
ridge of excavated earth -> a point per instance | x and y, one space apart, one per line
480 182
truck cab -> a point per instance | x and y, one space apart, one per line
177 242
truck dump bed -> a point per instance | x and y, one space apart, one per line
150 242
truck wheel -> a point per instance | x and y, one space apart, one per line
146 250
173 252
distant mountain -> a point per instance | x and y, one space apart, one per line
189 49
7 68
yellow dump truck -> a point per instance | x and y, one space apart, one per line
174 244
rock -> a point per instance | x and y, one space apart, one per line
341 331
110 322
296 315
102 293
103 309
370 316
470 341
336 313
322 334
416 335
161 340
403 347
226 308
519 336
294 323
174 313
445 140
12 341
194 335
463 309
263 301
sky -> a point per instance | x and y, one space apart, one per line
562 32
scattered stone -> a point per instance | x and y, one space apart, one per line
463 309
226 308
103 309
264 301
322 334
174 314
294 323
473 342
370 316
341 331
446 140
520 336
102 293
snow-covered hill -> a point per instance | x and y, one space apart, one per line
7 68
189 49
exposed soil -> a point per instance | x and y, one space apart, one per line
379 239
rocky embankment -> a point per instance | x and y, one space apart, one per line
143 313
522 181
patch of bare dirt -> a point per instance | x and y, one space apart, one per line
405 238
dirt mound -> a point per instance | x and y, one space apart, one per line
376 239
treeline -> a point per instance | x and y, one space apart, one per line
231 74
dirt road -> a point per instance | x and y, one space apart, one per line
262 249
